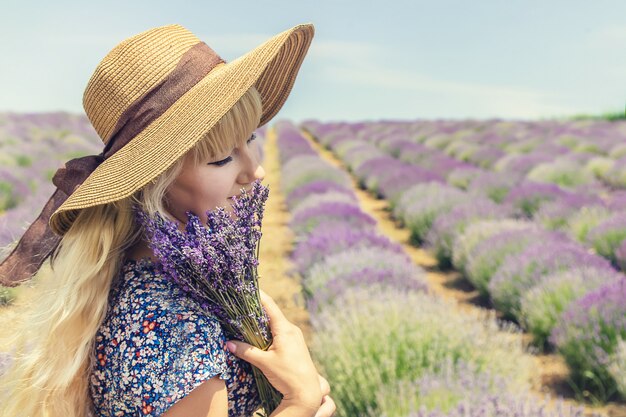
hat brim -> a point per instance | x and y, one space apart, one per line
271 67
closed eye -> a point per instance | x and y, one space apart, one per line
230 158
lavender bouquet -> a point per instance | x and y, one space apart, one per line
216 266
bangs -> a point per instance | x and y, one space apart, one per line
232 129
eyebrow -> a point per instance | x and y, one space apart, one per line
231 150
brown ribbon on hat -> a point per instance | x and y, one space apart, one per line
39 241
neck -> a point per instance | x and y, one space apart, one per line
140 250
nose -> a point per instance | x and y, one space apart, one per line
259 173
251 169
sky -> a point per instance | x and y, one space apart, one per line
368 61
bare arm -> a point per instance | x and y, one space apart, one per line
211 400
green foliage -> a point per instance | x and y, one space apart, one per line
611 116
563 173
579 225
23 160
7 296
7 199
372 339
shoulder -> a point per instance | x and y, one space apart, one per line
155 345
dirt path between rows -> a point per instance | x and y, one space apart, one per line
552 369
276 244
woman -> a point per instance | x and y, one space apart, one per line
108 335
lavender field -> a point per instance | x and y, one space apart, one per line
531 214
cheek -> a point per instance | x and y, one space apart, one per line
211 190
197 193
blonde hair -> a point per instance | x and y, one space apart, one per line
53 340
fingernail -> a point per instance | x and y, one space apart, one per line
231 347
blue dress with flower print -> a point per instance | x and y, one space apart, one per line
155 346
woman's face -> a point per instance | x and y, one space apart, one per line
212 183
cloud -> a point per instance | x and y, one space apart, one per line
343 51
607 44
84 40
608 37
368 66
227 46
231 46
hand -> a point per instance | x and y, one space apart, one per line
287 363
327 407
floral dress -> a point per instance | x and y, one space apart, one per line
155 346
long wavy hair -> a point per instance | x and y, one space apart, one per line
53 334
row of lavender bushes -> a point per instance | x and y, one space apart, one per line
554 172
541 277
388 346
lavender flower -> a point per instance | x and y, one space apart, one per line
507 405
617 200
332 238
565 173
616 175
519 165
291 143
486 257
312 188
494 185
527 197
374 278
448 226
607 236
307 220
581 222
463 176
362 266
520 272
374 167
368 340
315 200
302 170
486 156
556 214
543 304
392 185
423 203
359 154
587 335
477 232
216 266
462 390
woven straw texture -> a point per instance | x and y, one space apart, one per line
133 67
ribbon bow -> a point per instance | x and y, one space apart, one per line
39 241
76 171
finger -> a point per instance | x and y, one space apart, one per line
324 386
328 407
246 352
274 313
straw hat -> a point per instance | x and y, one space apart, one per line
150 99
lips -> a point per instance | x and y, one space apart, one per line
236 195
